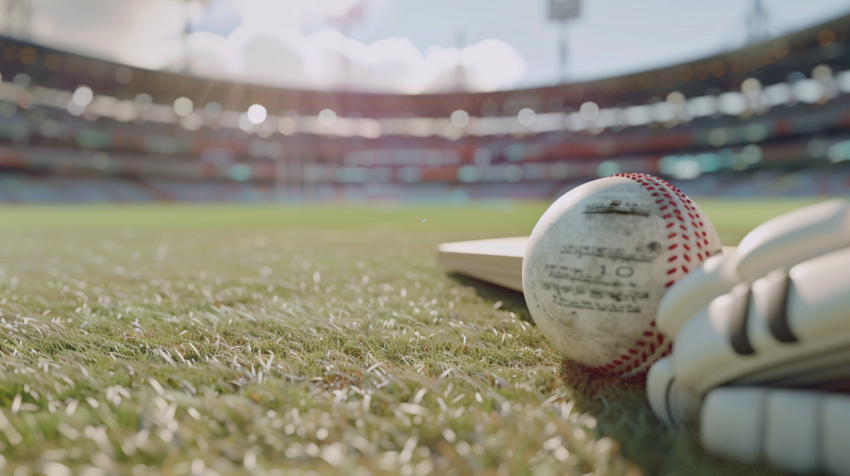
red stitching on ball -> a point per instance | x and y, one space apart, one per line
675 199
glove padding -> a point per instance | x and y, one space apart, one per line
779 243
798 431
753 333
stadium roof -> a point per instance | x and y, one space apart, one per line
826 43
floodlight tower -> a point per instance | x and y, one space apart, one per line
460 71
561 11
345 21
191 14
758 23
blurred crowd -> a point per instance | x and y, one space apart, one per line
768 119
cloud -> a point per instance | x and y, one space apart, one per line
270 47
141 33
328 60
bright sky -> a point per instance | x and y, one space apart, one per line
406 45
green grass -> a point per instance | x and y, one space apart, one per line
267 340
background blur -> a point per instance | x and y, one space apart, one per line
398 100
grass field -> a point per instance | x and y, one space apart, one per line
203 340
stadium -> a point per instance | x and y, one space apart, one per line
81 129
204 275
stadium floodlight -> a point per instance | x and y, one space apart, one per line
192 122
257 114
83 96
286 126
143 101
183 106
839 151
460 118
245 124
676 98
751 86
75 109
212 109
327 117
808 91
589 111
22 81
732 103
563 10
526 116
822 72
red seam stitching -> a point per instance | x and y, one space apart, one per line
626 363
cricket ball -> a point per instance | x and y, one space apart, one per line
599 261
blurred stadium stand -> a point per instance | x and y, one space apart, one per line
768 119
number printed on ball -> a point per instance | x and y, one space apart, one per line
599 261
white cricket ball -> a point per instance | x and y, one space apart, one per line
599 261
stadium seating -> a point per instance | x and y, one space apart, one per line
768 119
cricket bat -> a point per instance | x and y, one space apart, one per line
497 261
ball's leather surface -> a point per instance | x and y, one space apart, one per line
599 261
